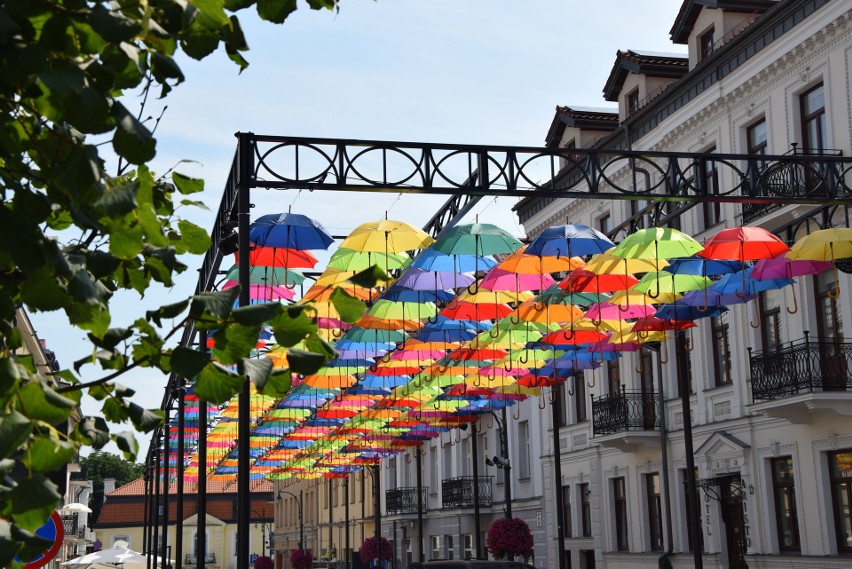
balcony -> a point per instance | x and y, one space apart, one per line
802 378
626 419
458 492
74 529
404 500
192 559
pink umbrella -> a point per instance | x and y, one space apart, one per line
265 292
784 268
498 279
606 311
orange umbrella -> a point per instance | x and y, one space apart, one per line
518 262
286 258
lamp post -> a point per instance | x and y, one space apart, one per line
503 460
265 529
301 518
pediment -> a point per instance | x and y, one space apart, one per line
192 521
722 444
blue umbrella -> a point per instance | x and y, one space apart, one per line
734 283
432 260
703 267
400 294
289 231
682 312
569 240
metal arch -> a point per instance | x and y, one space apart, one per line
283 162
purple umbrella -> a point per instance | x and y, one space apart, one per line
418 279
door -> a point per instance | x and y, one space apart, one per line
833 367
734 519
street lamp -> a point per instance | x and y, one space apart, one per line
301 518
502 461
266 529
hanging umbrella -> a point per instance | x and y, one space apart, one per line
703 267
418 279
607 311
743 244
477 239
607 263
498 279
522 262
665 282
268 275
656 243
569 240
74 507
582 280
285 258
289 231
350 260
823 245
118 555
387 236
683 312
264 292
434 260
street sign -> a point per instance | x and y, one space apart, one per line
52 530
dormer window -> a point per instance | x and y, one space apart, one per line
633 101
706 43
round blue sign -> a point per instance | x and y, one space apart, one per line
53 531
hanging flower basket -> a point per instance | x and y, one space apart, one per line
510 538
300 559
264 562
370 552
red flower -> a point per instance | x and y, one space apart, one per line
300 559
369 552
509 537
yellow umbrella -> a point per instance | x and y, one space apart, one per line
607 263
823 245
387 236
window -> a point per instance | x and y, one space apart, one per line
435 540
619 497
711 212
465 461
655 511
770 319
524 449
433 473
605 224
840 465
683 362
632 101
449 550
613 375
468 546
829 321
124 537
566 510
706 42
580 397
814 130
721 351
586 509
756 138
784 490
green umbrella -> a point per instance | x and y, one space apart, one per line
476 239
656 243
351 260
390 310
268 276
666 282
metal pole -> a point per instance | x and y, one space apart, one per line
201 490
664 452
506 465
244 408
419 458
346 516
691 489
164 550
179 464
476 522
152 545
301 521
555 406
330 517
377 504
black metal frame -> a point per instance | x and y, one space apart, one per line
404 500
458 492
625 411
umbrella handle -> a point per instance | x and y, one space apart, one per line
536 306
542 403
743 294
755 323
571 387
477 382
689 345
495 331
833 294
514 319
374 368
664 359
401 345
599 319
516 415
641 367
593 382
473 288
507 366
795 304
524 358
433 319
337 332
643 334
657 295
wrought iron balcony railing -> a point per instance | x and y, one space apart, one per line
625 411
404 500
803 366
458 492
192 559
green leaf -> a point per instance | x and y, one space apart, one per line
40 402
112 338
114 26
93 431
306 363
41 291
31 502
257 370
167 311
217 384
256 314
275 11
292 326
349 308
212 306
278 383
186 185
132 139
46 455
146 420
127 444
234 341
119 201
370 277
14 430
187 362
194 239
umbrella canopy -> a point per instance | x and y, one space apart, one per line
117 555
351 260
286 258
823 245
522 262
268 275
476 239
743 244
569 240
387 236
289 231
785 268
657 243
434 260
75 507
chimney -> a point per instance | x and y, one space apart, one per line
109 486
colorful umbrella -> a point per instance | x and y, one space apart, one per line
657 243
743 244
569 240
387 236
477 239
289 231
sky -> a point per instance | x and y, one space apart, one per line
441 71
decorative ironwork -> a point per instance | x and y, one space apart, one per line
379 166
625 411
72 526
192 559
404 500
458 492
803 366
732 483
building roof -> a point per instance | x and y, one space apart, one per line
592 118
690 9
137 487
670 65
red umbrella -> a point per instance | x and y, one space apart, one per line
586 281
461 310
743 244
287 258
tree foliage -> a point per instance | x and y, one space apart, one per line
101 465
74 79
